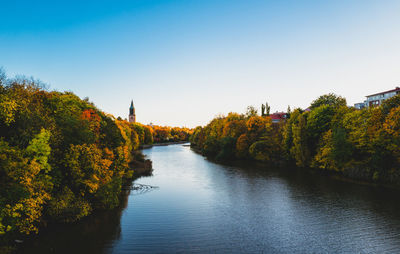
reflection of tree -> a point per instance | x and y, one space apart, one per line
90 235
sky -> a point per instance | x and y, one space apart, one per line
184 62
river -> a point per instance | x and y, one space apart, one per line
202 207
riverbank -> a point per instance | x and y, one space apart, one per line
362 145
139 165
360 179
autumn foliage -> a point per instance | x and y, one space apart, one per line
362 144
61 157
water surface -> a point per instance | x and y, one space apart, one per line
205 207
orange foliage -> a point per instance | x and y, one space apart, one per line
242 146
257 124
234 128
93 118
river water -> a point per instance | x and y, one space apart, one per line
202 207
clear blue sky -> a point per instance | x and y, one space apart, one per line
183 62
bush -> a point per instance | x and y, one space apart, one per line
66 207
227 151
263 151
107 196
211 147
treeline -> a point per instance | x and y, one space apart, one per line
164 134
61 157
362 144
149 134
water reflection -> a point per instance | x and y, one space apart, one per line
90 235
202 207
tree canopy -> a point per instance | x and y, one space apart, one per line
330 99
362 144
61 157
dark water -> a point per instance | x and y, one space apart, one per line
204 207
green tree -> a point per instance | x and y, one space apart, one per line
342 149
318 122
87 168
262 110
227 150
39 149
267 109
299 150
329 99
148 135
251 111
211 146
68 207
288 112
390 104
262 151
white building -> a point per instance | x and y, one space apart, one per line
377 98
360 105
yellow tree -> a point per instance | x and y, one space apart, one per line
30 173
391 128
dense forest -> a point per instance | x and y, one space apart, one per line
61 157
329 135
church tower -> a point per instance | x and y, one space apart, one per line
132 116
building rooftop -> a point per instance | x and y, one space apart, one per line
393 90
278 115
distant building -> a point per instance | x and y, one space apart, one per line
360 105
377 98
132 115
278 117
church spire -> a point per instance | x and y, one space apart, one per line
132 115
